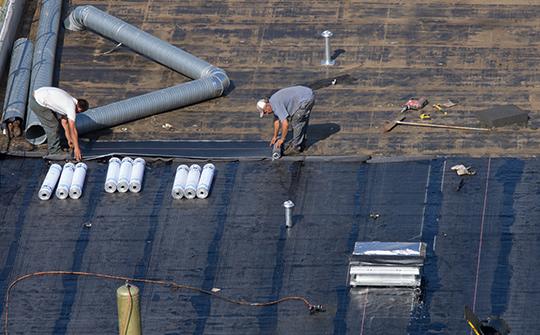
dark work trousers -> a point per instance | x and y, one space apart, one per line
299 123
50 124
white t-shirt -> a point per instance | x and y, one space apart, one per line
57 100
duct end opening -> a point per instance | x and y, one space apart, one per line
35 134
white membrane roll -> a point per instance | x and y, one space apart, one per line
62 191
124 175
190 191
180 180
77 184
203 188
47 188
137 173
113 172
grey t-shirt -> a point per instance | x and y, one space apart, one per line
287 101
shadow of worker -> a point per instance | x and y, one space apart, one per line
319 132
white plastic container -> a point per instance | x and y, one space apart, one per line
190 191
180 180
124 175
77 184
205 182
137 173
62 191
113 172
47 188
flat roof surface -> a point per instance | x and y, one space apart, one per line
477 53
480 246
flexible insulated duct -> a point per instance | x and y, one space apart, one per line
18 80
137 173
47 188
192 181
43 63
124 175
203 188
180 179
210 81
77 184
113 172
12 17
62 191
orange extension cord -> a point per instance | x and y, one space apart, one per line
312 308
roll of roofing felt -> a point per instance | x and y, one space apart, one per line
47 188
75 191
125 175
192 181
62 191
180 179
203 188
137 173
113 172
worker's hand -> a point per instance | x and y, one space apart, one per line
274 139
279 143
77 154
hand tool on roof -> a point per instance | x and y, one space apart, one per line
439 108
425 116
492 326
389 125
414 104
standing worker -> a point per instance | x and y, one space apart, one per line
289 105
53 106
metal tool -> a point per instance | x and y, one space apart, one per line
388 126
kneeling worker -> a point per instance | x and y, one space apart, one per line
290 105
53 106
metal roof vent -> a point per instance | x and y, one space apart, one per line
394 264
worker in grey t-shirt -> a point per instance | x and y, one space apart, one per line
290 105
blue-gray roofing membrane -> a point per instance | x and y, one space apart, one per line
482 247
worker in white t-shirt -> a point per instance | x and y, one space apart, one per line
54 106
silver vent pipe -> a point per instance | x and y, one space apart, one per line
210 81
18 80
12 17
43 63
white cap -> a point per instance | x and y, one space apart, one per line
260 107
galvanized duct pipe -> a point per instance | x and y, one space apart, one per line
18 80
180 179
113 172
137 173
47 188
43 63
192 181
77 184
12 18
210 81
203 188
62 191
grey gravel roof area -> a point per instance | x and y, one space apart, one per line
482 246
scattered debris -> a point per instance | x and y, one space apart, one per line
414 104
334 81
124 129
374 215
215 289
460 185
462 170
111 50
166 126
87 225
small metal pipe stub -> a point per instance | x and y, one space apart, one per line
289 205
328 60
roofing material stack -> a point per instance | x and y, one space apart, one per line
393 264
191 183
